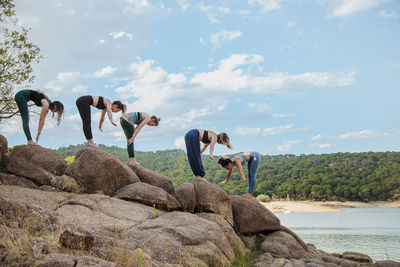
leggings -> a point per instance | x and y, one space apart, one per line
22 98
193 152
83 103
252 166
129 129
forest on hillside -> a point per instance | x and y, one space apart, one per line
362 176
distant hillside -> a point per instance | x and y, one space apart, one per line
339 176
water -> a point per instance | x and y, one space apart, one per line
372 231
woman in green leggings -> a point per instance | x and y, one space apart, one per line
128 122
41 100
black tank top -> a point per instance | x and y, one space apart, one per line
100 103
36 97
205 139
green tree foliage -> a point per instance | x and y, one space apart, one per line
17 55
339 176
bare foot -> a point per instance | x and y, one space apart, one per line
31 143
247 195
201 178
134 162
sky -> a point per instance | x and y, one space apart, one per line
279 76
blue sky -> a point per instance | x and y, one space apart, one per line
278 76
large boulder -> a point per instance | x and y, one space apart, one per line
251 217
148 195
211 198
3 145
37 163
66 183
283 245
356 256
150 177
186 195
97 171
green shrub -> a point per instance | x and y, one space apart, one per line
263 198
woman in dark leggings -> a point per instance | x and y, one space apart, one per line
41 100
208 137
84 102
128 122
252 159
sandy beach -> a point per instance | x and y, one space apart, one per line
327 206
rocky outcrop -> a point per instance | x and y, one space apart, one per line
97 171
283 245
251 217
66 183
156 179
355 256
210 198
148 195
11 179
36 163
387 263
3 145
186 195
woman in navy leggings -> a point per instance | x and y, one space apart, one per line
207 137
252 159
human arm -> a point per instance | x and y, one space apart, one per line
43 114
146 119
212 145
239 166
227 176
108 105
103 113
203 148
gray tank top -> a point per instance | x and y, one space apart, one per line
134 117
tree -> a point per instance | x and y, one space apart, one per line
17 55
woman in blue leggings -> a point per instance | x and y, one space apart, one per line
252 159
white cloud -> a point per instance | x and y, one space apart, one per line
183 4
80 89
179 142
217 38
282 115
384 14
104 72
277 130
266 5
213 13
325 145
117 35
287 146
364 134
290 24
266 131
67 80
102 41
259 107
346 7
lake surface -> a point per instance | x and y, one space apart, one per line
372 231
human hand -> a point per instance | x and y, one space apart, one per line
100 128
211 157
224 182
244 180
131 140
113 123
37 138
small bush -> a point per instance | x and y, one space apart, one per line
70 160
263 198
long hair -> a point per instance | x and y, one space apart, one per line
223 139
52 105
155 119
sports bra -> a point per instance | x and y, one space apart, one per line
205 139
100 103
36 97
244 158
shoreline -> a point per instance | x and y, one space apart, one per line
324 206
